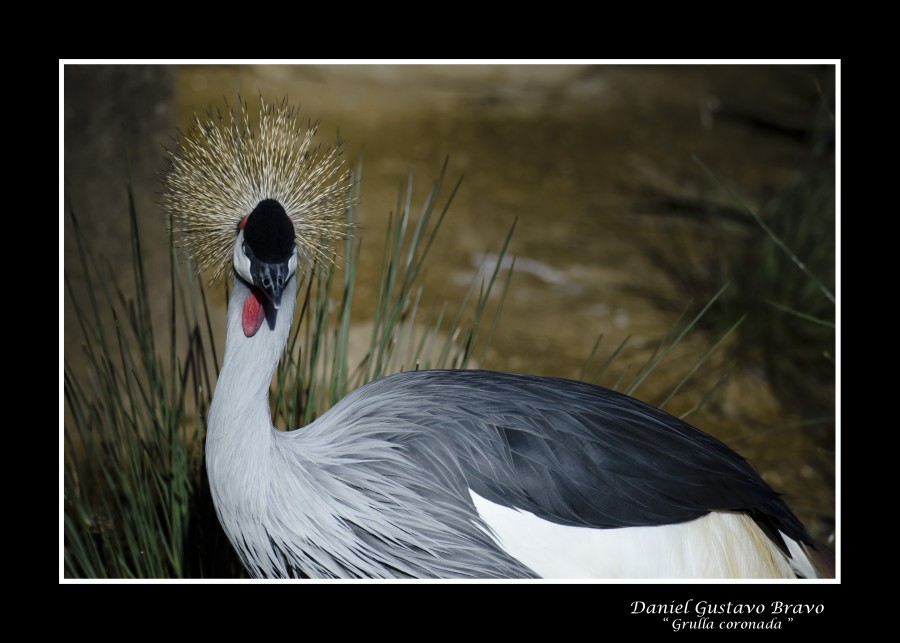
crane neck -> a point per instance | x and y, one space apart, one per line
241 400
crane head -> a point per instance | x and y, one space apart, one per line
289 195
265 250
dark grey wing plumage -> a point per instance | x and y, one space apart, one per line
578 454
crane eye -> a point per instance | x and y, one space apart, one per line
245 249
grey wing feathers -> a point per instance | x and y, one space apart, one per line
577 454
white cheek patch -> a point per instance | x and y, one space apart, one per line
292 263
241 261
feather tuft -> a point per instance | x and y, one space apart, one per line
224 165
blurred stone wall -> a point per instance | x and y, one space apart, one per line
116 117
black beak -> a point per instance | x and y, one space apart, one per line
270 278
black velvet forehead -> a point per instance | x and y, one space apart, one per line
269 232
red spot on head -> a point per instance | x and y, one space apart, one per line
243 222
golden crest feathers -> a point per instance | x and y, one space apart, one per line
222 167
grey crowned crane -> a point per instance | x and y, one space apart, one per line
437 474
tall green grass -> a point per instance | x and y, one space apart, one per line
779 258
316 370
132 429
136 504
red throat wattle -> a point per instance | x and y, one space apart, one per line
254 312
